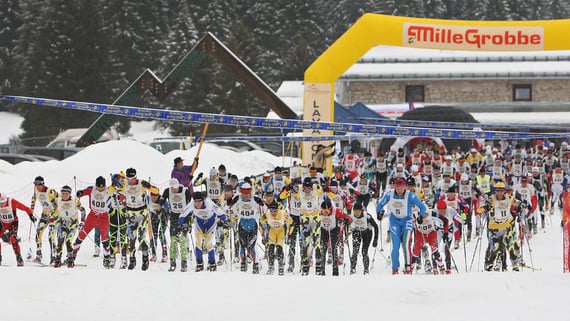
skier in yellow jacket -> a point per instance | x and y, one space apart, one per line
274 224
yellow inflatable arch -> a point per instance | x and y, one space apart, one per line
375 29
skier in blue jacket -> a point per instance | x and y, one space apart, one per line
400 204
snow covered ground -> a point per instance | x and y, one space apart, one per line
93 293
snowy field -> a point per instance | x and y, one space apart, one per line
93 293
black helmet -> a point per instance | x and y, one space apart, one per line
326 204
66 188
410 181
131 172
357 207
100 181
273 205
277 169
198 196
39 180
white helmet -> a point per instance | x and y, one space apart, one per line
213 172
464 177
174 182
3 198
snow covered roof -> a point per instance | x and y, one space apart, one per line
291 93
390 63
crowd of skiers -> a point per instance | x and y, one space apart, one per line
431 196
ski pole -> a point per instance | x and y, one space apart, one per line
348 243
529 249
474 252
381 241
463 227
230 239
373 259
481 231
452 258
30 239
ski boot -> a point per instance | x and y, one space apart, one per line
212 266
19 260
394 272
38 258
132 262
107 261
123 263
290 268
243 266
57 262
152 258
255 269
456 245
366 270
281 270
164 255
221 259
319 271
0 258
51 260
335 271
71 260
96 251
199 267
172 267
183 266
112 261
305 270
498 264
270 269
352 270
145 262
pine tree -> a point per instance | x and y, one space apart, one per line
182 36
10 22
65 61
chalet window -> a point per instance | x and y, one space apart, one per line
522 93
415 93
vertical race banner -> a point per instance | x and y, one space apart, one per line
316 107
566 231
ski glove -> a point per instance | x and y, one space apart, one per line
380 215
79 193
420 219
375 243
33 218
446 237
